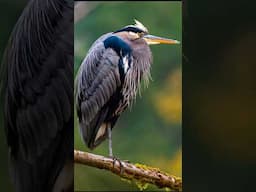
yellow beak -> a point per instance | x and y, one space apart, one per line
152 40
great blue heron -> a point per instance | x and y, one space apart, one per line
109 78
38 96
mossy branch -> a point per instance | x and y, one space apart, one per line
141 173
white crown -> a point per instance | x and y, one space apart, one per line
140 25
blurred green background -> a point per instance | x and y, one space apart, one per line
150 133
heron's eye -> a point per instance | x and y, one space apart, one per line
141 34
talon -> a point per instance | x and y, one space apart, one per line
120 164
114 161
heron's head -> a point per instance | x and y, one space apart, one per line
139 32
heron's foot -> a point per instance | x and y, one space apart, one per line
120 163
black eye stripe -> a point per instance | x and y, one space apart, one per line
132 29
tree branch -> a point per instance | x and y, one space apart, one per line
143 174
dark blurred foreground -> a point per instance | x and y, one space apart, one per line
219 96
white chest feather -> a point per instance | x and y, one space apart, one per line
126 63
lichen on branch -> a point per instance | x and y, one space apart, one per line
142 174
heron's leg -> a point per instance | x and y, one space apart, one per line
110 142
111 151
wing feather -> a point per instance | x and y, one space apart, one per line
97 81
39 94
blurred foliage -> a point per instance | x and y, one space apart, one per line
150 132
168 100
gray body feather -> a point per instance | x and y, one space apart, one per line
100 94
